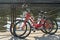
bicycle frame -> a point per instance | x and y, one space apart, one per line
34 24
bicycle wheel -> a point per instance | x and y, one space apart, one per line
55 27
47 27
21 29
51 27
11 29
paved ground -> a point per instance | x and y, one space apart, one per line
38 35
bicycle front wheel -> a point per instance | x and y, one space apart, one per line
21 29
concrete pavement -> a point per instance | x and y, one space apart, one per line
38 35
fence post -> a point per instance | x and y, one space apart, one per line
13 13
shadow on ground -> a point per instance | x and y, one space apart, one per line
16 38
48 37
44 37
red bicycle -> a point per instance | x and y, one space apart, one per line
23 28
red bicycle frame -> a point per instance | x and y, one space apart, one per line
34 24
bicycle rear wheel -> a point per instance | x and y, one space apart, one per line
51 27
47 26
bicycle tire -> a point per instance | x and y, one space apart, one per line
50 32
44 29
21 36
11 29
